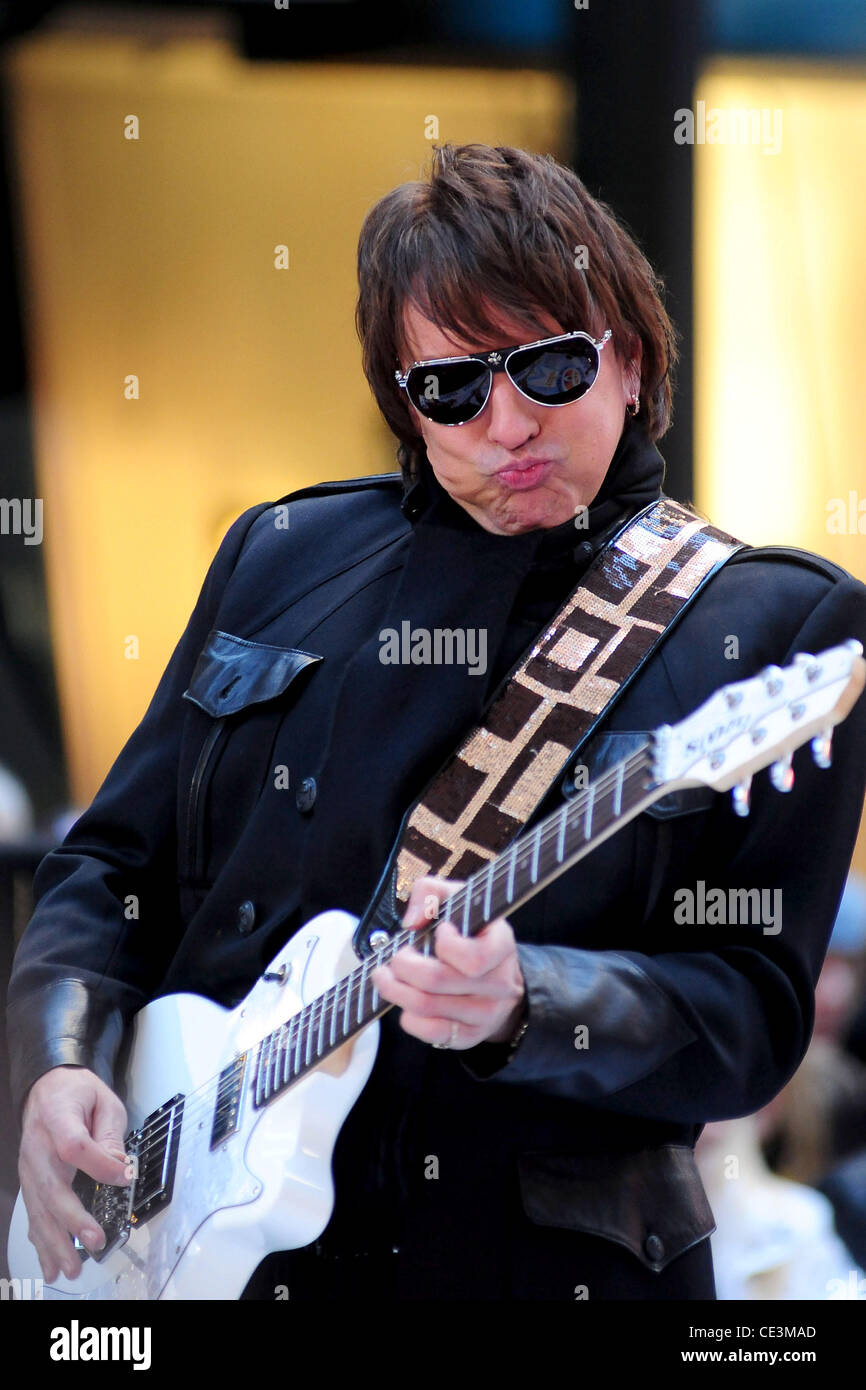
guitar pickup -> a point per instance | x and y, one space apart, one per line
156 1148
226 1112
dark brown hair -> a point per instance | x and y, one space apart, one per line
506 226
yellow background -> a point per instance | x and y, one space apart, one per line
155 257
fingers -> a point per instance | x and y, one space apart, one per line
74 1146
53 1209
471 1008
440 1030
72 1120
425 898
472 957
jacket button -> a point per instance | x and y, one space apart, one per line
246 917
654 1248
306 794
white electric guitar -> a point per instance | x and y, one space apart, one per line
235 1113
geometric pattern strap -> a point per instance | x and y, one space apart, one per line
486 791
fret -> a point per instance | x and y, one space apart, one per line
587 825
512 863
299 1020
533 871
332 1034
488 891
321 1043
359 1016
617 794
285 1047
560 838
466 909
346 1008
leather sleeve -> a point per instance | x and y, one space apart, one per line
106 918
707 1021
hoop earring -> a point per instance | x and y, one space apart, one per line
633 406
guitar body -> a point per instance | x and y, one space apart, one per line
267 1185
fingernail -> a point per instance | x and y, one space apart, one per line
94 1238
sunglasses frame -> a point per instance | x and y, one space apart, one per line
497 361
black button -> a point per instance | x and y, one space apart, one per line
246 917
654 1248
305 796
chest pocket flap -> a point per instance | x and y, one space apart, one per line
233 672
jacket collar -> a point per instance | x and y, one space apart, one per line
634 479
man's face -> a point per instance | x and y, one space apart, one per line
483 464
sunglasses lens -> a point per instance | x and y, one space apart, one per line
451 393
555 375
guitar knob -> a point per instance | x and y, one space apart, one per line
740 796
822 748
782 774
378 939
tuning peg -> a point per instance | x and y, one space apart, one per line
774 677
812 665
740 796
782 774
822 746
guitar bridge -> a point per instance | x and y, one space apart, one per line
153 1149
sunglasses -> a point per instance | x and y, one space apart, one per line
552 371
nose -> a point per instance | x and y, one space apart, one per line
511 418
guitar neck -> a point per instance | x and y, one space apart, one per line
509 880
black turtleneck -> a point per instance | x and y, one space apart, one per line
557 555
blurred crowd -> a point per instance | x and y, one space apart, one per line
788 1185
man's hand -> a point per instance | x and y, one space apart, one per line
473 982
71 1120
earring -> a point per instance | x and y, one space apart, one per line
633 406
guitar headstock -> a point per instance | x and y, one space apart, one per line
761 721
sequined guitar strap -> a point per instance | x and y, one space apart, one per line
548 706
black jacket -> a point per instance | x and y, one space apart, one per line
279 668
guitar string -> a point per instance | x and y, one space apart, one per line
200 1100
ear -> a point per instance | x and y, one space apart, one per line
631 374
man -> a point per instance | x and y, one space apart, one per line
489 1156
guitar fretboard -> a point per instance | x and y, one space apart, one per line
510 879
